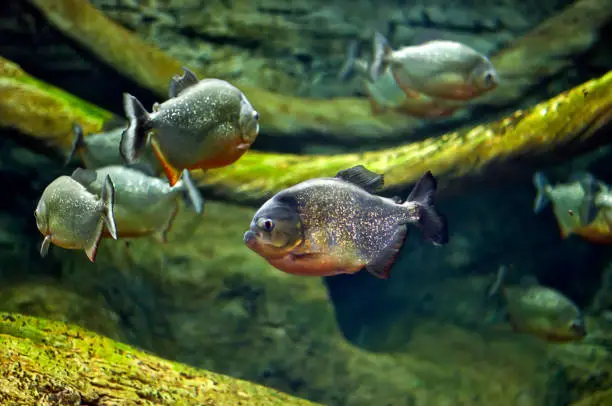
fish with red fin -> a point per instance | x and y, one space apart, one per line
204 124
444 69
329 226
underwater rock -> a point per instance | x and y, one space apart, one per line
51 363
340 119
545 131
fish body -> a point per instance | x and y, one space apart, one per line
144 204
204 124
328 226
599 231
102 149
442 69
71 217
541 311
384 94
573 204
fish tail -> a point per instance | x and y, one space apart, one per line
108 202
77 143
589 209
433 225
192 192
382 49
540 181
347 70
497 285
134 137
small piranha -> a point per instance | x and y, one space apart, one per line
329 226
102 149
540 311
443 69
144 204
204 124
71 217
384 93
573 203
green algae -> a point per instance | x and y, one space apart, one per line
47 362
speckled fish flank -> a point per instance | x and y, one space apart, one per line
144 204
328 226
204 124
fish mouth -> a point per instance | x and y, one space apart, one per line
250 238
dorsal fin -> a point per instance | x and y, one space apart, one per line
84 176
180 83
362 177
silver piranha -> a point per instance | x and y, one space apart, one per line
384 94
204 124
102 149
71 217
328 226
144 204
443 69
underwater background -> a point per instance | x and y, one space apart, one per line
202 319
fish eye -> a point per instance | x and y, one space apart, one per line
266 224
489 79
578 325
256 115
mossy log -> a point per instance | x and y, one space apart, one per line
541 53
50 363
571 119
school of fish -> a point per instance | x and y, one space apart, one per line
319 227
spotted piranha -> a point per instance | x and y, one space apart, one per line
71 217
204 124
329 226
102 149
540 311
384 94
144 204
443 69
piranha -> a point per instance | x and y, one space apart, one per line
71 217
540 311
144 204
329 226
384 93
102 149
573 203
443 69
204 124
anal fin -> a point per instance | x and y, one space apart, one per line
91 250
381 265
171 172
161 235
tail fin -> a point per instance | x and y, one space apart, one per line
108 200
433 224
541 184
134 137
497 285
77 143
347 69
192 192
589 209
382 49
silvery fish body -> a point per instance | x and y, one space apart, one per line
102 149
443 69
144 204
328 226
204 124
71 217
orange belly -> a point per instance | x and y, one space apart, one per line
314 265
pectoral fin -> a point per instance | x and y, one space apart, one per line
44 246
171 172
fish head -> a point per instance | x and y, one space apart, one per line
484 76
275 230
41 215
248 122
